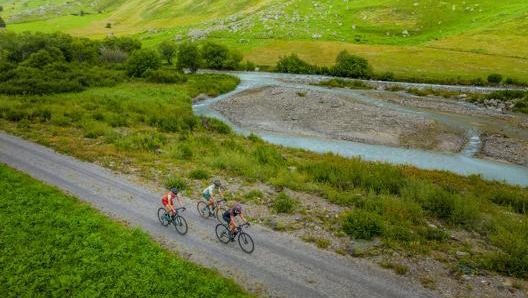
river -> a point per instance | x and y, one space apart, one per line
462 163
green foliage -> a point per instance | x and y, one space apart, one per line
199 174
175 181
123 43
348 174
361 224
342 83
509 234
74 251
164 76
494 78
214 55
253 195
142 60
218 126
351 66
168 50
516 200
293 64
507 95
268 155
183 152
188 57
140 142
284 204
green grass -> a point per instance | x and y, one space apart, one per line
150 130
56 246
412 39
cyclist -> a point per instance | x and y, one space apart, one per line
168 201
209 193
230 215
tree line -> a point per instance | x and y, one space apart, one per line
38 63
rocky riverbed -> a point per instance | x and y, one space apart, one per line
503 135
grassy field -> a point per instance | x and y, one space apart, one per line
56 246
466 39
122 128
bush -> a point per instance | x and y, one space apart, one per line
253 194
199 174
351 66
174 181
494 78
293 64
284 204
361 224
164 76
142 60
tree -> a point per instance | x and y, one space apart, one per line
293 64
141 61
214 55
188 57
351 66
168 50
2 23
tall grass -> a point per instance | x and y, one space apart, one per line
407 208
62 248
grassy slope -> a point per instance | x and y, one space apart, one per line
61 247
450 38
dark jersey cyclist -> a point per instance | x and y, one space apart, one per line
230 215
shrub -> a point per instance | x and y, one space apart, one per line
142 60
174 181
494 78
253 194
284 204
293 64
164 76
184 152
361 224
199 174
351 66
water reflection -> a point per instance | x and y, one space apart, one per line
461 163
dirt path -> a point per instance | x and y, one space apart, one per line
281 265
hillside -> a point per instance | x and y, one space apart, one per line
467 39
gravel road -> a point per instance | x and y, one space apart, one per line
280 266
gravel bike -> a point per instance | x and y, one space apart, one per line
244 240
205 210
176 219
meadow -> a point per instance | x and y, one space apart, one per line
58 246
148 129
412 39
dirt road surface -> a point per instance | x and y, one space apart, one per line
280 266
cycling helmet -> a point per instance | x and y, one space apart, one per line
217 183
174 190
237 208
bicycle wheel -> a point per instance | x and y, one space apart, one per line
219 212
203 209
180 224
246 242
222 233
163 217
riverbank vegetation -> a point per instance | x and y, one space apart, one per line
412 211
139 120
460 40
61 247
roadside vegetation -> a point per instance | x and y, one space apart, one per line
137 118
61 247
150 130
